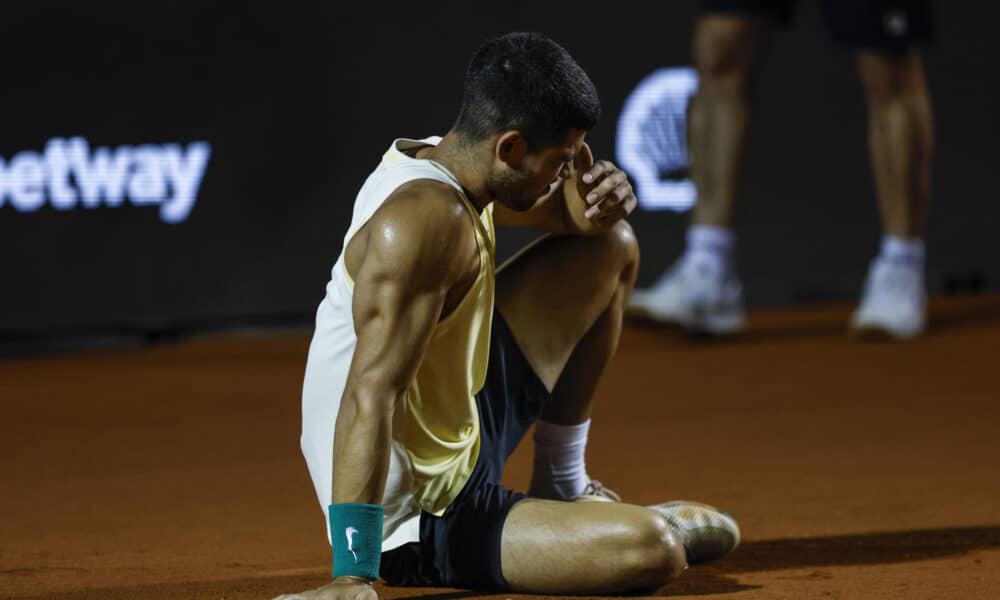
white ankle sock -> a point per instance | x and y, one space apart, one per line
906 251
559 472
711 246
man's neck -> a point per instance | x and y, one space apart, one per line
461 161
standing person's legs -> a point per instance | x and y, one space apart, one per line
727 50
900 138
701 291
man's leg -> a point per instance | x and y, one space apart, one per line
552 547
563 298
900 137
727 50
701 292
900 134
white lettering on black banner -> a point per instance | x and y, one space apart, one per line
69 175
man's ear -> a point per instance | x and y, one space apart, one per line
511 148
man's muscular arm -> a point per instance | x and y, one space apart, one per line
411 255
404 262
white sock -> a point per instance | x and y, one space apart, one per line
559 472
712 247
903 251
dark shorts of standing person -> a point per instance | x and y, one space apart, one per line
881 25
461 548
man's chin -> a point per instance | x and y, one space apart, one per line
545 192
530 204
520 204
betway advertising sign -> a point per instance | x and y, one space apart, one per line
70 175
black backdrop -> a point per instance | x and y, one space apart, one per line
298 101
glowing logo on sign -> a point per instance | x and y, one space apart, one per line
69 175
651 143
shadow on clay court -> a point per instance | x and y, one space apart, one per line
861 549
949 318
845 550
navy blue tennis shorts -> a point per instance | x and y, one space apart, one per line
886 25
461 548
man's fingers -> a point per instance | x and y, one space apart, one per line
630 204
606 186
598 171
620 202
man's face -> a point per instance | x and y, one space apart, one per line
519 187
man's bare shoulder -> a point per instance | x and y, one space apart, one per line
425 202
423 228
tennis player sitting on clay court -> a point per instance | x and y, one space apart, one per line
430 367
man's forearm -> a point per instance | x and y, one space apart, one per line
361 449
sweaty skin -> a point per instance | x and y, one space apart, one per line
412 264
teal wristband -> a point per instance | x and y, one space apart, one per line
356 539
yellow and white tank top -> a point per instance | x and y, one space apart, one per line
436 431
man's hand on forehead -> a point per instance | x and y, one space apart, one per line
605 189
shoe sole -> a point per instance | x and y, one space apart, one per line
717 326
874 332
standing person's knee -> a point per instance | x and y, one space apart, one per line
885 75
724 51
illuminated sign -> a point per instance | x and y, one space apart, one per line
69 175
651 143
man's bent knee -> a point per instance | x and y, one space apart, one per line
623 241
612 254
656 554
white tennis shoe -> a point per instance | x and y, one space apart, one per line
894 301
695 296
707 532
596 492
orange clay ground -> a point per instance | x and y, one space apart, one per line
856 470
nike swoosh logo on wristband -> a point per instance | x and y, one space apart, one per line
350 542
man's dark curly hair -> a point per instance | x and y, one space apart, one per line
529 83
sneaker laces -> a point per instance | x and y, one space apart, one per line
596 488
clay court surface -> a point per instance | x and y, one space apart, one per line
856 470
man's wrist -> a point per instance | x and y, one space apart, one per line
354 579
356 539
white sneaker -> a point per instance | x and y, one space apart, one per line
894 301
596 492
694 295
707 532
